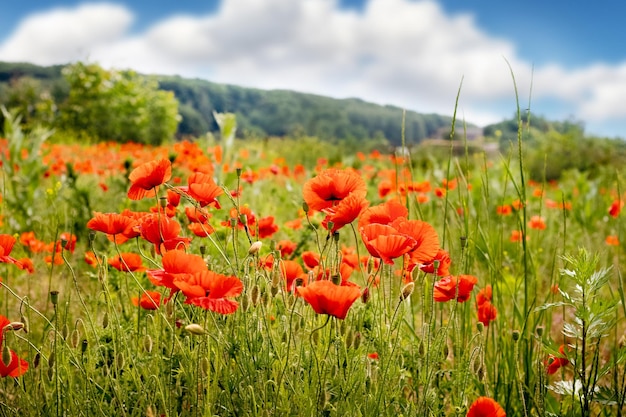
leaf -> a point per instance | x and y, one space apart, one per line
552 305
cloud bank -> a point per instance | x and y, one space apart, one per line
402 52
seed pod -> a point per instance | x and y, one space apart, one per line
515 335
54 297
83 346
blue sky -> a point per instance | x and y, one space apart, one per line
567 57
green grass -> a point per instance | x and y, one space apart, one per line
92 352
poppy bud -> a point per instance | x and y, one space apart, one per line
305 207
204 366
274 290
50 372
365 296
119 360
357 340
349 338
255 295
245 303
515 335
75 338
195 329
463 242
65 331
243 218
480 326
147 343
265 298
255 247
24 320
105 320
16 325
83 345
407 290
6 355
36 360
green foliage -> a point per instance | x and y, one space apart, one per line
594 319
117 105
22 172
287 113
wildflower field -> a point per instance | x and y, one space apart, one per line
292 278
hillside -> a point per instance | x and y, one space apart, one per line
261 112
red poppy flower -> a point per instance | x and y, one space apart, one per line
386 242
485 407
150 300
328 298
290 270
16 366
211 291
384 213
176 263
616 208
487 313
147 177
426 238
266 227
162 232
554 362
201 229
484 295
127 262
537 222
286 248
119 227
203 189
331 186
6 246
443 257
451 287
310 259
345 212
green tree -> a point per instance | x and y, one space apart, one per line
117 105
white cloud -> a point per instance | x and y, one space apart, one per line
64 34
402 52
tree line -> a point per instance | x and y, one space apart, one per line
92 102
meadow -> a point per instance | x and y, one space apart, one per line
285 277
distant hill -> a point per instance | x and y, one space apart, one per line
265 112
